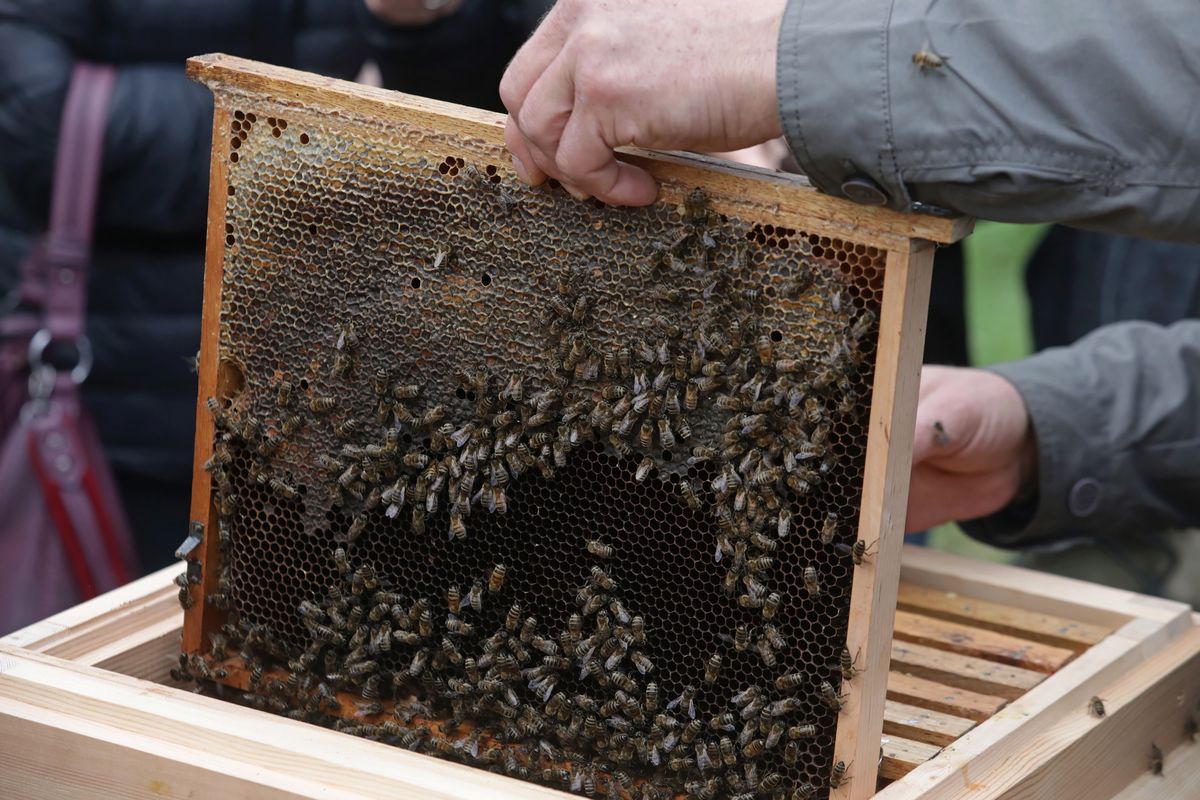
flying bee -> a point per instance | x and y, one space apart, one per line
926 58
322 404
496 578
830 697
1096 707
712 668
812 583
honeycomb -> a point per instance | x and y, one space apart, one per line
560 490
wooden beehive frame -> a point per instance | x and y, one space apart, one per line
87 707
908 240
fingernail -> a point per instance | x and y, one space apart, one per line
574 191
519 168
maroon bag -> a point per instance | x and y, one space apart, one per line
63 533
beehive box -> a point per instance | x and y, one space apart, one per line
578 489
88 708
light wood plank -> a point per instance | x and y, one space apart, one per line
1083 756
883 507
905 688
971 641
1033 625
133 740
102 619
787 194
923 725
1039 591
989 747
963 672
1180 778
902 756
201 619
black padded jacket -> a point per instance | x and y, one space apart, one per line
145 280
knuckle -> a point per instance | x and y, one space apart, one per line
509 92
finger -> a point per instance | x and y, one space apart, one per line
533 58
585 157
936 496
523 163
545 113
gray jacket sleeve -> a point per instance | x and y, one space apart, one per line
1117 420
1072 111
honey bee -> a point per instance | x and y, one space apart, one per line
666 437
1191 728
927 59
829 528
283 489
712 668
766 652
689 495
1096 707
846 663
322 404
764 348
496 578
357 526
804 730
837 776
784 525
601 579
812 584
940 436
857 551
646 434
741 638
830 697
771 605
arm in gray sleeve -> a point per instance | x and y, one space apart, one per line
1074 111
1117 421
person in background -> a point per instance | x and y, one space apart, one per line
1079 282
145 280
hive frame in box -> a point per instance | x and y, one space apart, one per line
87 708
908 241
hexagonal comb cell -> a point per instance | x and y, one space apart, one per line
550 488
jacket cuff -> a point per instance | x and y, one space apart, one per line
835 106
1077 487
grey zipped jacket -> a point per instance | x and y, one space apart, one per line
1085 112
1117 421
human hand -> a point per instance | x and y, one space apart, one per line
412 12
974 448
667 74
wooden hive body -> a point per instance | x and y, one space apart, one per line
374 273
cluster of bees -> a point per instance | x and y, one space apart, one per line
580 707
